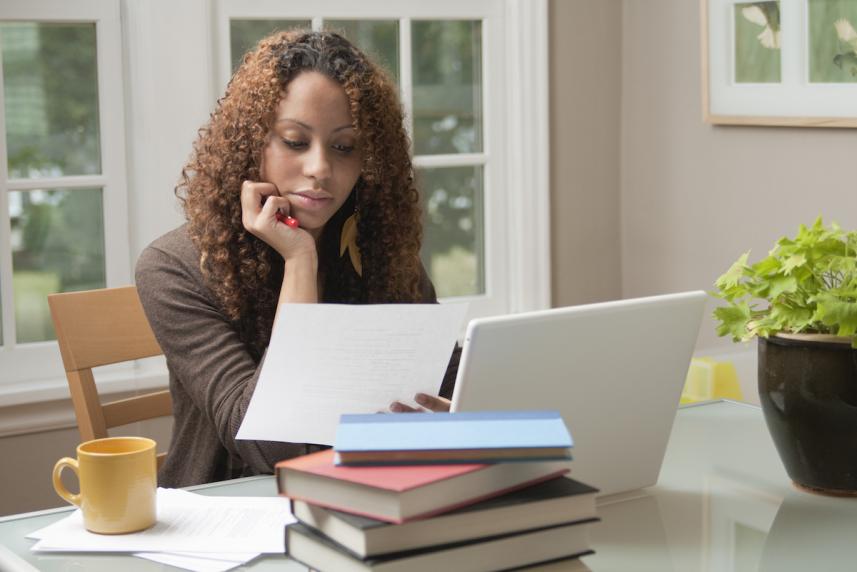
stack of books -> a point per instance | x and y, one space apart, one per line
437 491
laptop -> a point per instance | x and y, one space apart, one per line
614 370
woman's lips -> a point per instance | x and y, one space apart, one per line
310 200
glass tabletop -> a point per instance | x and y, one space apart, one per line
723 502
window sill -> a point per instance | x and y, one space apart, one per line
45 405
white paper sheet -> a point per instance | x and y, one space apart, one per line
206 526
228 556
193 563
328 359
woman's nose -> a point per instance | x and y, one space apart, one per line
317 163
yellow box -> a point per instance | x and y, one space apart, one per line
708 378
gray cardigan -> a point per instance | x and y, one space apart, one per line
212 373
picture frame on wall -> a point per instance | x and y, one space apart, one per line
779 62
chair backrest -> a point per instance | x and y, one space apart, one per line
101 327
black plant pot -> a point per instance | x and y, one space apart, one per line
808 392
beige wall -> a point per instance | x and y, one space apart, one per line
645 197
693 196
25 481
585 94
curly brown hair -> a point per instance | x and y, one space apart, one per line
242 271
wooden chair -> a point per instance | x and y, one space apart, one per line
101 327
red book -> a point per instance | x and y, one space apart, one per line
400 493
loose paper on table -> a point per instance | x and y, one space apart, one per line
187 522
328 359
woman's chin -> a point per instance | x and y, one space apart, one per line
312 224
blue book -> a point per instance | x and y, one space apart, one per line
441 438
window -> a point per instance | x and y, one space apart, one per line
472 77
63 219
451 62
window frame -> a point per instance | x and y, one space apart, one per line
25 364
516 233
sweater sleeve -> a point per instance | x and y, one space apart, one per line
204 352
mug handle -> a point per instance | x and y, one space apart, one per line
59 487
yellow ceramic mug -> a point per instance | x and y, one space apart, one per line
118 481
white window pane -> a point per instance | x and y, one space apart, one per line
50 80
379 39
447 91
57 246
245 34
453 245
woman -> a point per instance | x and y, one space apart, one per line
299 189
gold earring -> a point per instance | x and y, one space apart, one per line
348 241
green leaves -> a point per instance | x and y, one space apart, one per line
806 284
792 262
734 274
780 285
834 312
733 320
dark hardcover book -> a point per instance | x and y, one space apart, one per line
504 552
572 564
557 501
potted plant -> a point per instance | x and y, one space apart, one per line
801 303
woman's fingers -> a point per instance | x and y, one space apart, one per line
259 205
433 402
429 402
273 206
253 196
399 407
252 193
265 215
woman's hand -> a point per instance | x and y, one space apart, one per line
429 403
260 203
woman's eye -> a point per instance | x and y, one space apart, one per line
344 148
294 144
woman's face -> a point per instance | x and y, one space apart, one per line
313 157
